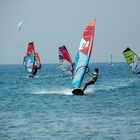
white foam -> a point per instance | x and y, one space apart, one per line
63 92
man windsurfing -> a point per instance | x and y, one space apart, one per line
94 77
34 70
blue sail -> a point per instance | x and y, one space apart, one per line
30 60
81 63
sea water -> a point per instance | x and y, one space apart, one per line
43 107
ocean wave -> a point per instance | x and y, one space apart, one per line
115 85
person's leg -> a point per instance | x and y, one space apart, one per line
89 83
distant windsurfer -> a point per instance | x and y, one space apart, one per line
34 71
94 77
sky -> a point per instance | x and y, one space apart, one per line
53 23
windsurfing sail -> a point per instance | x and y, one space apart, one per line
132 59
65 61
83 55
37 60
111 56
30 59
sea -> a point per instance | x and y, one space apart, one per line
44 108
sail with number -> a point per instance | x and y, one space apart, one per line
132 59
65 61
83 55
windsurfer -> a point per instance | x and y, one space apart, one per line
94 77
34 71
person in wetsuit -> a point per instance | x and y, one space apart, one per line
94 77
34 71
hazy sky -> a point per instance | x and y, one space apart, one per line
53 23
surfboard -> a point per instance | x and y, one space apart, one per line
78 91
30 76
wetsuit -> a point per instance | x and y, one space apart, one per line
92 81
34 71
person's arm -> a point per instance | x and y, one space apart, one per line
89 72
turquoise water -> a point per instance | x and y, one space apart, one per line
43 108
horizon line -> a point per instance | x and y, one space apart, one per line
58 63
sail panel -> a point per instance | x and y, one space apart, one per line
37 60
29 62
30 49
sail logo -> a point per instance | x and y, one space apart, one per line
86 44
83 44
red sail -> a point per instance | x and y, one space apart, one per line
65 60
88 37
30 48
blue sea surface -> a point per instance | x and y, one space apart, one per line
43 107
